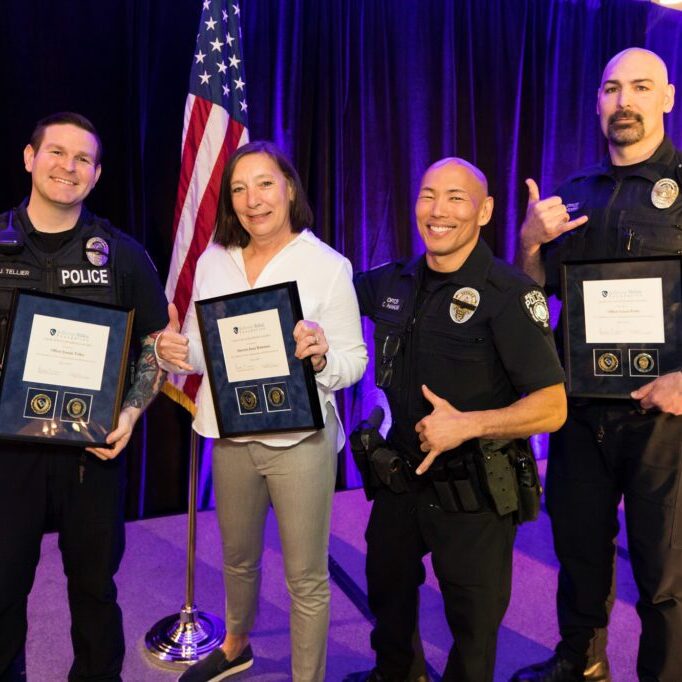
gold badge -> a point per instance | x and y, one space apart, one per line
664 193
248 400
41 403
276 396
643 362
608 362
464 304
76 407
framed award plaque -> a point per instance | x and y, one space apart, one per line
63 369
258 384
622 323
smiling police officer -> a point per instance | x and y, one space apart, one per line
464 353
52 243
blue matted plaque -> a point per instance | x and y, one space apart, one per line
63 369
258 384
622 323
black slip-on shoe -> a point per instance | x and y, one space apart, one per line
216 667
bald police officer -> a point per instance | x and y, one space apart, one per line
464 355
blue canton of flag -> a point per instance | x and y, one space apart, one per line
217 71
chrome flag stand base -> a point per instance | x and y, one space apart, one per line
184 637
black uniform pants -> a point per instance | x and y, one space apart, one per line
82 497
471 555
603 453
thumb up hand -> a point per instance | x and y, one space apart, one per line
171 345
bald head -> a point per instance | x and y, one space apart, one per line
476 174
642 59
634 94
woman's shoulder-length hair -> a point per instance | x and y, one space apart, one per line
229 231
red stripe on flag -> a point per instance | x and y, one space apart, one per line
191 387
205 220
195 132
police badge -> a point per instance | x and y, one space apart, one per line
97 251
664 193
464 304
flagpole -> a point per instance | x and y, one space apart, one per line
215 124
184 637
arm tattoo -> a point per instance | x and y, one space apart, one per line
149 377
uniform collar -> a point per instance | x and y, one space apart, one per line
658 165
21 218
473 273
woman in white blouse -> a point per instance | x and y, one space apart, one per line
261 238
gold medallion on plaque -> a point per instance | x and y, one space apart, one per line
664 193
76 408
41 403
608 362
276 396
643 362
248 400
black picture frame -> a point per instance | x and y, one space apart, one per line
52 412
615 369
281 403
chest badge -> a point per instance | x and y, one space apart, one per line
664 193
464 303
535 304
97 251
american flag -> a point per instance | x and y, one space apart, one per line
215 125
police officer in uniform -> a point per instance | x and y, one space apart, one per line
627 206
52 243
464 352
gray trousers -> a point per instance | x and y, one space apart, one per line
299 484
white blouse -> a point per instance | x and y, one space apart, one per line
327 295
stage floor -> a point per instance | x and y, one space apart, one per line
152 582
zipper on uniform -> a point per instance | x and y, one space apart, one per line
49 266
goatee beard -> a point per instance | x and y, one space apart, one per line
624 135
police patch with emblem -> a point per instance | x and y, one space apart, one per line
535 305
464 303
97 251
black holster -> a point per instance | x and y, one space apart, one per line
510 475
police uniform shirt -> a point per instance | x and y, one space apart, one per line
623 218
92 261
481 339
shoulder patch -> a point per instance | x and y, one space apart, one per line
535 305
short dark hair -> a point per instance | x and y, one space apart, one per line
65 118
229 231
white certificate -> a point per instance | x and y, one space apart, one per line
624 311
253 346
66 353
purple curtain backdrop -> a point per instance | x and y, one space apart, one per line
362 94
